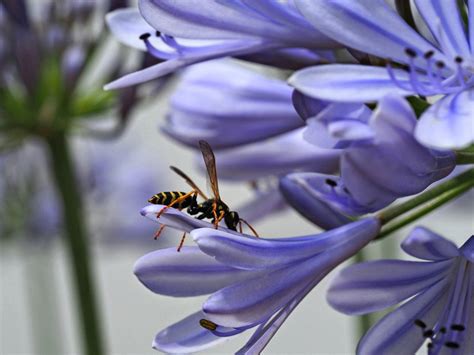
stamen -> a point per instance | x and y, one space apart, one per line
458 327
391 74
428 333
451 344
428 55
145 37
331 182
420 323
410 52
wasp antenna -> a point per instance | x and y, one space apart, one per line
207 324
251 228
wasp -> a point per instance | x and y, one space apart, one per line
211 208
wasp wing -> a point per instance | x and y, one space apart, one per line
210 161
189 181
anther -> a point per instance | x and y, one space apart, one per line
208 324
428 333
458 60
428 54
451 344
331 182
410 52
346 190
420 323
458 327
157 33
443 330
429 345
144 36
440 64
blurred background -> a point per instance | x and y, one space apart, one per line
121 159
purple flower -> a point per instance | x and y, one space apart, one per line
439 294
228 105
253 282
381 159
189 32
438 60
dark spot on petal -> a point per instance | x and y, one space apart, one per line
451 344
331 182
428 54
428 333
420 323
410 52
458 327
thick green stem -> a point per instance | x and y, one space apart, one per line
392 212
77 244
464 158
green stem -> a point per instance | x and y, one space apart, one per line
392 212
364 322
75 238
427 208
464 158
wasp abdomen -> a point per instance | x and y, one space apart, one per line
168 197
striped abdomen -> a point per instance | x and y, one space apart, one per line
168 197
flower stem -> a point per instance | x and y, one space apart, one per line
390 213
364 322
427 208
75 238
464 158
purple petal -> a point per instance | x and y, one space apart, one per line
176 219
260 253
425 244
348 82
257 299
231 20
467 249
330 190
306 106
230 48
187 273
300 196
396 333
471 25
127 25
448 123
375 27
375 285
228 105
186 336
445 24
278 155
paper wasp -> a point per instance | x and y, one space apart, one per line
211 208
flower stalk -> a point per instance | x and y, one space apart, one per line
430 199
464 158
77 245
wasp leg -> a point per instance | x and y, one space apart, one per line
158 232
182 198
240 226
181 243
251 228
214 213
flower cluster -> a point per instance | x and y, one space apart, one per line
379 107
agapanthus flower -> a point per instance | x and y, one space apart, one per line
184 33
248 119
434 58
253 282
439 294
381 160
